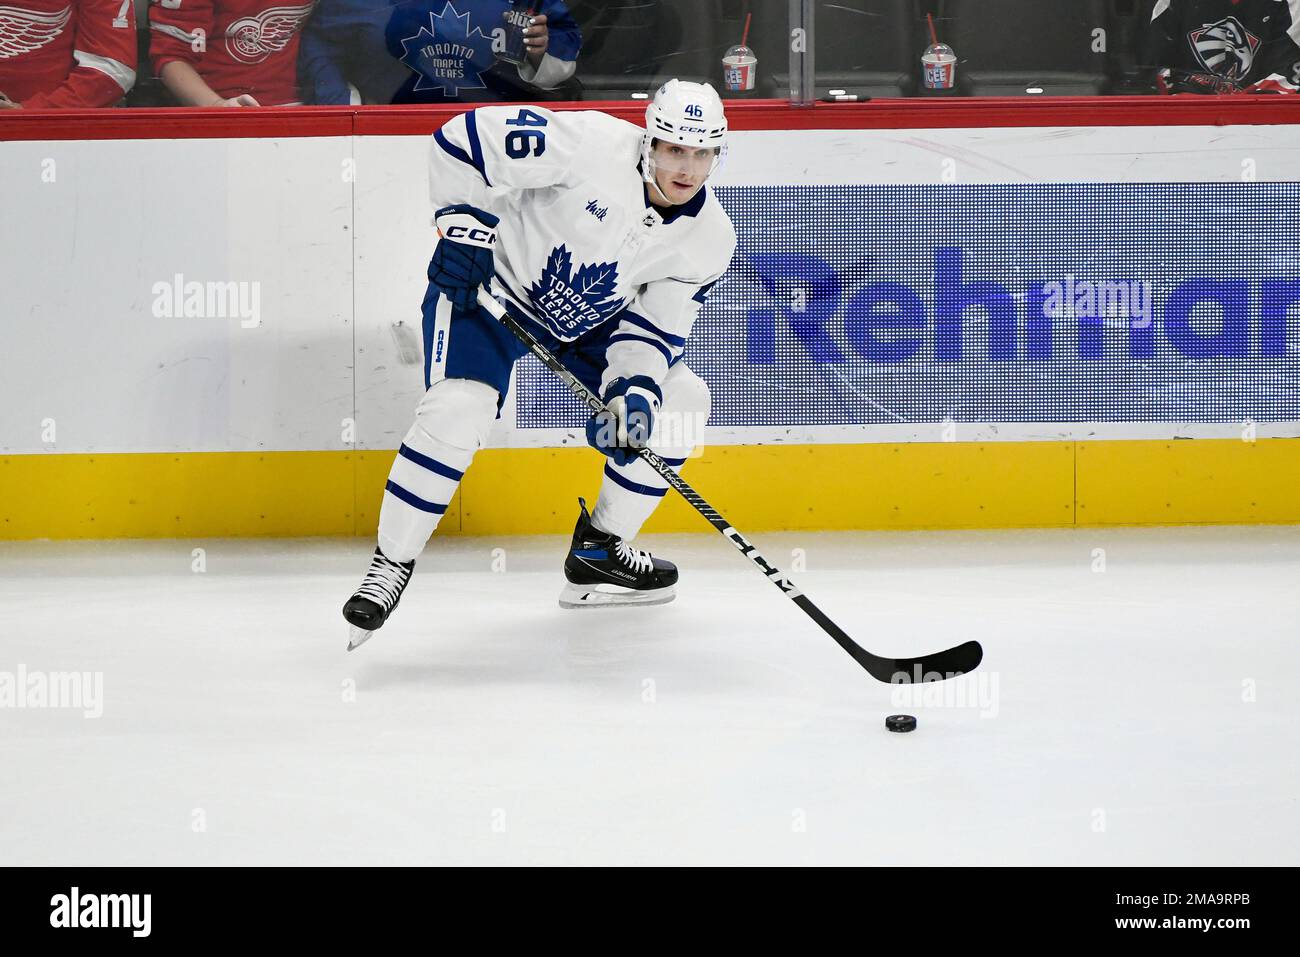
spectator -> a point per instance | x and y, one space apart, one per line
432 51
228 52
65 54
1225 46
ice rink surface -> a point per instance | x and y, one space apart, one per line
1136 705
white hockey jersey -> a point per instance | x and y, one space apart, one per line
579 244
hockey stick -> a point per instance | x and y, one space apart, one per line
936 667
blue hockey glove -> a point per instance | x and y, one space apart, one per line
629 423
462 260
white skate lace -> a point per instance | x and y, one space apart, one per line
639 561
384 581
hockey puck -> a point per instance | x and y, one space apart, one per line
900 722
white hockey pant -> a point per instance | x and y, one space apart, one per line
453 421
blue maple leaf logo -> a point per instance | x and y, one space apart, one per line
572 304
448 55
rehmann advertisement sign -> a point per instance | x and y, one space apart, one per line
865 305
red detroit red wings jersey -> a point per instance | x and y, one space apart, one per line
66 53
237 46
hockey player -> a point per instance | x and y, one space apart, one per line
603 240
1225 46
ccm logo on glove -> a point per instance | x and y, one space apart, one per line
467 224
473 235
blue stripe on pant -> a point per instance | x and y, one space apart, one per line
433 465
631 486
414 500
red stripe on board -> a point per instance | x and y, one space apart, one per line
919 113
176 123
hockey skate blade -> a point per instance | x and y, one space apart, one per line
357 637
613 596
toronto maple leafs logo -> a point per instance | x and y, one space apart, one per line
573 303
448 55
1225 48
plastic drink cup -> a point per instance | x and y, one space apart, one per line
939 67
739 69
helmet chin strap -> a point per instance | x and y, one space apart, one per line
654 185
648 170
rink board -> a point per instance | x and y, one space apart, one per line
759 488
855 386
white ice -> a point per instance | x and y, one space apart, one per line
1144 713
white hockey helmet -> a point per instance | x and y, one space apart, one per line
686 113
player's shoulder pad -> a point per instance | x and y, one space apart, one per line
494 123
713 240
509 111
488 132
605 135
586 121
611 126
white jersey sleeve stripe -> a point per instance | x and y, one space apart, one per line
168 30
120 73
549 74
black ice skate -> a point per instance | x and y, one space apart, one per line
378 595
604 570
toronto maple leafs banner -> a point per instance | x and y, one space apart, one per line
1032 302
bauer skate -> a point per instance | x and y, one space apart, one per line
603 571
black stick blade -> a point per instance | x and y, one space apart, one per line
936 667
940 666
